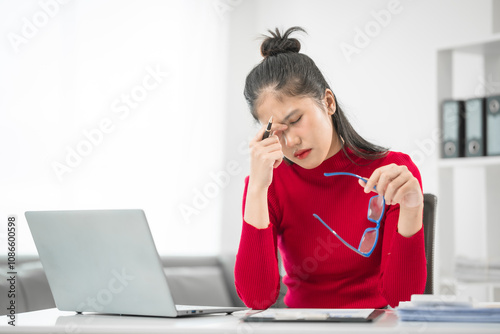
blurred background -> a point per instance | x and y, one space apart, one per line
139 104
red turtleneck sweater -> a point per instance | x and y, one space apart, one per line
321 272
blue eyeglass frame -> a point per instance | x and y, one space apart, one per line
369 229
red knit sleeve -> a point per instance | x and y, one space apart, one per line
403 268
256 270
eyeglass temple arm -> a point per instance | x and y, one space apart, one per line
338 236
351 174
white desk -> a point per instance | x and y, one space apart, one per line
52 321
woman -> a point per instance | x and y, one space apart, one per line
317 221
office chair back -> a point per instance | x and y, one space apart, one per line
429 221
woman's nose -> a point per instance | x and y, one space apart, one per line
291 139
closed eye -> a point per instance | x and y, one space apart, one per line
298 119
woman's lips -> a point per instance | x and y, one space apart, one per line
302 154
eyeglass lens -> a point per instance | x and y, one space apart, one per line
375 208
368 240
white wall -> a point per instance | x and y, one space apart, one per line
388 89
67 66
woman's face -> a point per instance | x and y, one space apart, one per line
309 138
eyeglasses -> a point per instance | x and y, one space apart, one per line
376 208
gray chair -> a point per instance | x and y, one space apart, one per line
430 204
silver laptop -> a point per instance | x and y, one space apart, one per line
105 261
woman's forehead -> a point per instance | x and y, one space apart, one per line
280 106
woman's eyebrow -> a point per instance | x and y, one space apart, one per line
287 117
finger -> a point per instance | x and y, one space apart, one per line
272 140
409 195
258 135
391 174
381 177
362 182
278 161
372 181
393 188
275 147
273 159
278 131
266 151
384 180
279 127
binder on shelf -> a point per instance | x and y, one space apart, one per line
493 125
475 127
453 128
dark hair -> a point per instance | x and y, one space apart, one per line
286 71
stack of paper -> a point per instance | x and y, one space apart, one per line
447 308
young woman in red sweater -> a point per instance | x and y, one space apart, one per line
342 246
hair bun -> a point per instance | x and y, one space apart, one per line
276 43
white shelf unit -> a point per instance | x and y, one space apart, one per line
468 222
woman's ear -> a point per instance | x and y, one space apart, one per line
329 100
